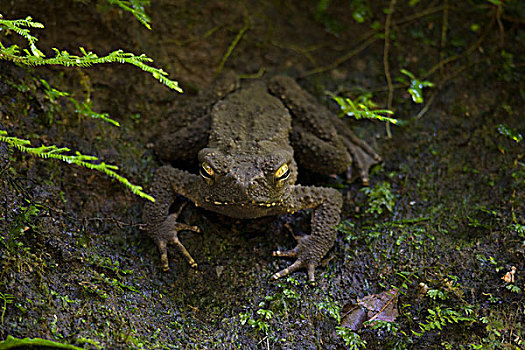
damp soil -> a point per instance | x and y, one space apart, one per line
76 268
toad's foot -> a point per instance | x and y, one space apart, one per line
305 252
363 156
167 233
363 161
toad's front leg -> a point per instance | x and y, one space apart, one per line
162 226
327 203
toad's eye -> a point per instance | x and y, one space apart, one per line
206 171
282 173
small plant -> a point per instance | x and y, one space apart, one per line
513 288
438 318
380 197
347 227
274 307
416 237
520 229
436 294
322 15
389 327
288 298
260 324
331 307
65 299
416 86
360 10
362 109
6 299
352 340
511 133
18 227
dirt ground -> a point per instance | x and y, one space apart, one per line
75 267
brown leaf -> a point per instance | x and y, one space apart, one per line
509 276
353 316
382 306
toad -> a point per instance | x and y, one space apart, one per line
249 145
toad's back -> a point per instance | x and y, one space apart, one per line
249 117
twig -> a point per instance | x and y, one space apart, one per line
513 19
439 87
295 48
385 306
444 28
195 38
427 105
385 62
418 15
473 47
446 61
233 44
499 10
368 39
257 75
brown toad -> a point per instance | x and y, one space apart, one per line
250 144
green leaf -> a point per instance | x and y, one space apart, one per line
496 2
511 133
416 86
12 342
136 7
84 109
361 110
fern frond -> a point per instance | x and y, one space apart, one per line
35 57
84 108
79 159
136 7
15 25
361 110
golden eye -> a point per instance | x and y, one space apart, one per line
206 171
282 173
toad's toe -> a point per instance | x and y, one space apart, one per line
167 233
284 272
298 264
292 253
162 246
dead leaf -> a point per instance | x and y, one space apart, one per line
509 276
382 306
353 316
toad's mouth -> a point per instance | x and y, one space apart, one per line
252 203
